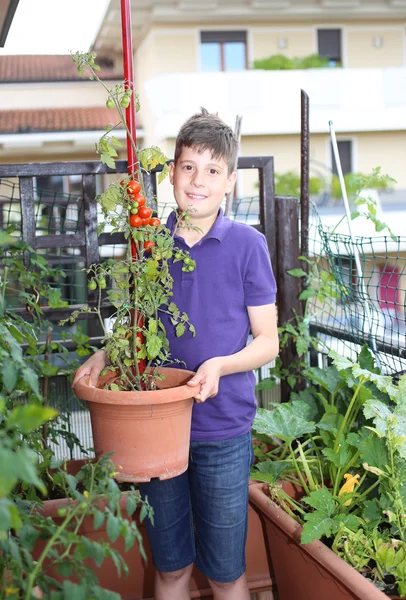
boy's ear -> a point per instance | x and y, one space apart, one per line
231 181
171 171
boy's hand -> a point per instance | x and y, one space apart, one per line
208 375
92 367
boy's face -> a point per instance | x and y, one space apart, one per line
200 183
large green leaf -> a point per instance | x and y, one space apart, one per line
373 451
268 471
330 379
379 413
322 500
282 422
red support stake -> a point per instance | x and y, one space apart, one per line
130 120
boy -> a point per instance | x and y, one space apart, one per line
201 516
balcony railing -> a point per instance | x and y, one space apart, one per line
355 99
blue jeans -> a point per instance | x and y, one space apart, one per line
201 516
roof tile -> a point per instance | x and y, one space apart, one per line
21 68
55 119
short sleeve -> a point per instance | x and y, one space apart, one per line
259 280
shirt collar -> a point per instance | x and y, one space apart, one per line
217 231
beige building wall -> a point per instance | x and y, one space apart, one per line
299 42
52 95
361 49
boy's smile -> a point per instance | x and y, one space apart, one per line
200 183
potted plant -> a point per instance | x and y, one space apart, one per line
140 409
63 524
344 451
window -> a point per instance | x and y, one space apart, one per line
223 51
345 152
329 45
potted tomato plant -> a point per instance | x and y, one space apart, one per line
140 408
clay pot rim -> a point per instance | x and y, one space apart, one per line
147 397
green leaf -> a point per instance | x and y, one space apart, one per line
152 325
371 511
113 527
350 521
131 504
153 345
366 360
330 379
374 452
282 422
385 555
65 569
268 471
31 379
98 519
10 376
340 458
55 298
73 590
317 525
340 362
27 417
322 500
101 594
297 273
28 536
180 329
379 413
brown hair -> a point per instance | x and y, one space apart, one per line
206 131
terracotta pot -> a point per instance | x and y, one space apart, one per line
149 432
306 571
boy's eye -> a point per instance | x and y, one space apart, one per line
213 171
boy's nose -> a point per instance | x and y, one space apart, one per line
197 180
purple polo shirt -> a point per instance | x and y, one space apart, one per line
233 271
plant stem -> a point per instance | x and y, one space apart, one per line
302 481
344 423
51 541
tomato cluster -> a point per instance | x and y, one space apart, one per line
140 214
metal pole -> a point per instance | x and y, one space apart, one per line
129 79
132 127
304 177
353 243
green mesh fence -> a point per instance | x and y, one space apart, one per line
350 309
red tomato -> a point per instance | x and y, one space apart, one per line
135 221
145 221
145 212
133 187
148 245
140 199
154 222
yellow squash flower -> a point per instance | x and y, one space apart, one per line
350 482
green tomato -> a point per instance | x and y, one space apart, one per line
110 103
134 210
125 102
167 253
186 218
128 92
187 260
190 268
62 512
92 285
102 283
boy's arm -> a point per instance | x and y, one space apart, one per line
263 349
